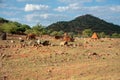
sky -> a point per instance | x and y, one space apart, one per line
46 12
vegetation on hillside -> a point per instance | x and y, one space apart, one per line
82 26
12 27
81 23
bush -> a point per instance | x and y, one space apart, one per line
87 33
115 35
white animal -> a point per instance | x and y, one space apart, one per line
38 41
63 43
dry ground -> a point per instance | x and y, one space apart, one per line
90 60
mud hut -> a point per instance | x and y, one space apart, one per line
95 36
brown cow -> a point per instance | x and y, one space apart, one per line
31 36
68 39
58 37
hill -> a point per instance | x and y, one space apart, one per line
85 22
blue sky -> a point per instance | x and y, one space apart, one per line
46 12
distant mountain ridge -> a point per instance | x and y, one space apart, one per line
85 22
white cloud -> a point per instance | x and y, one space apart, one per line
115 8
61 9
32 7
45 19
32 0
103 9
76 8
75 1
69 7
95 8
36 16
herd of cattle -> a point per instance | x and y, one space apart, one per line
32 40
65 39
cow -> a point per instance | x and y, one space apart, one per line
45 43
68 39
58 37
63 43
31 36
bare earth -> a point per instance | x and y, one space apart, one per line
83 59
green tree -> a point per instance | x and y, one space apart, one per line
44 31
54 33
38 29
60 33
71 34
102 34
23 28
28 31
49 31
115 35
16 23
9 27
87 33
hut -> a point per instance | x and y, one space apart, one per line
95 36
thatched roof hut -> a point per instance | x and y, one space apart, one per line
95 36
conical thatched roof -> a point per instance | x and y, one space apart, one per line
94 36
